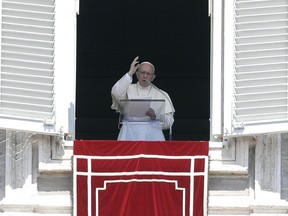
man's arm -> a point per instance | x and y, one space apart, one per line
120 88
168 121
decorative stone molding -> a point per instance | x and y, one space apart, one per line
231 160
33 181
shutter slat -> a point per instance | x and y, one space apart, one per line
27 36
28 71
261 53
261 31
27 28
262 103
263 110
39 2
261 59
260 96
26 99
261 46
28 7
262 24
263 117
27 106
261 81
28 42
260 89
27 14
261 67
27 92
262 38
27 78
28 21
28 57
24 63
26 49
24 113
261 17
262 10
27 85
259 3
261 74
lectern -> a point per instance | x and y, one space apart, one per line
136 125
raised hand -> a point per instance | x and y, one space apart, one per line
134 66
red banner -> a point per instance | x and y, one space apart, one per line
129 178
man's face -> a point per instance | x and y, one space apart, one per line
145 73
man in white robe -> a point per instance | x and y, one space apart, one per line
152 129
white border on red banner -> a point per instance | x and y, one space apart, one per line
142 180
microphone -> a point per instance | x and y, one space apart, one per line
168 99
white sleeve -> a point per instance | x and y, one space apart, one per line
168 120
119 90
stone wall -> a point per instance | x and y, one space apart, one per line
36 174
2 163
252 181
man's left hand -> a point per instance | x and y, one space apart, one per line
151 113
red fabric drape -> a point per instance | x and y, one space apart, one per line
129 178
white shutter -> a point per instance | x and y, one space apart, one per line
27 61
28 93
259 98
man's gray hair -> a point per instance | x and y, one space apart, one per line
149 63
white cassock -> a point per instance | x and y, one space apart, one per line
148 130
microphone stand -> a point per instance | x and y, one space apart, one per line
170 129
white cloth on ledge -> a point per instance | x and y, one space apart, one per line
146 131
